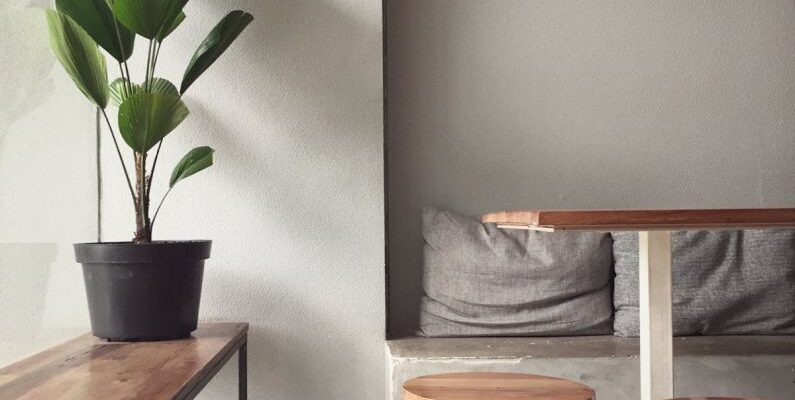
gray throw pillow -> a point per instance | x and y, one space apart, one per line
484 281
724 282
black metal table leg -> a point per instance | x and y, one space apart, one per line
242 371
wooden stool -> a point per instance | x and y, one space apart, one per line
494 386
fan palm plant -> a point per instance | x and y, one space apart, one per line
150 108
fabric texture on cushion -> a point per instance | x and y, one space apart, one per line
724 282
480 280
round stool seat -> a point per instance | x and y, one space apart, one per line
494 386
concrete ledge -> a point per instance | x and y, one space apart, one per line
762 366
582 346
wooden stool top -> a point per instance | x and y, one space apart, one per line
494 386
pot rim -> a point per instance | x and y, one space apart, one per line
130 253
152 243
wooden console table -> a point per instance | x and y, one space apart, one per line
89 368
654 245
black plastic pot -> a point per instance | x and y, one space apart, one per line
140 292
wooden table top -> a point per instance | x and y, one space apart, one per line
643 220
494 386
88 368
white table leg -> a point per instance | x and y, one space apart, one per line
656 334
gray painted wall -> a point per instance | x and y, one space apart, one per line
576 104
294 202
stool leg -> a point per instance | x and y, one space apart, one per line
656 333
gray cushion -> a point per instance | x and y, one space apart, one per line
481 280
724 282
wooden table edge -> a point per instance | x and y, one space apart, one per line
202 378
643 220
194 385
640 228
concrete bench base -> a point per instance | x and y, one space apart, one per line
761 366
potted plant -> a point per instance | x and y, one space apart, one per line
142 289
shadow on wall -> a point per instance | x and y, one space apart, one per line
289 67
25 84
25 69
429 162
299 122
25 272
280 362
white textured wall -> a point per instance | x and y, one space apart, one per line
48 196
294 202
499 104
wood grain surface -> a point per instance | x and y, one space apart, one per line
89 368
494 386
640 220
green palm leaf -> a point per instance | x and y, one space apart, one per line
193 162
219 39
167 29
120 91
148 17
80 57
146 118
161 85
95 17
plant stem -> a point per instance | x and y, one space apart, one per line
121 48
124 85
149 53
160 143
143 232
118 152
157 211
129 77
143 226
154 164
154 60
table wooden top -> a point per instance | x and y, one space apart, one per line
643 220
494 386
88 368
